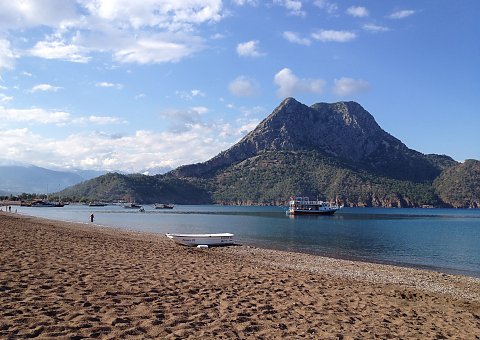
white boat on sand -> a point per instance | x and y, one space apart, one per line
220 239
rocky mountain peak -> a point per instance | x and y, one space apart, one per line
344 131
288 104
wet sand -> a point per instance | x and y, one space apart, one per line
76 281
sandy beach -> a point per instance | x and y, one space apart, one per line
77 281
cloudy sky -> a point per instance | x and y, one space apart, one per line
131 85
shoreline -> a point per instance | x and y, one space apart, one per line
438 270
65 279
433 268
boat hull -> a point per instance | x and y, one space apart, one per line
163 206
97 204
132 206
47 204
312 212
221 239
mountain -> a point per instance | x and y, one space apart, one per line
16 177
459 186
343 131
139 188
331 151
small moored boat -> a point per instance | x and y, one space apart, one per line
163 206
132 206
303 206
97 204
220 239
41 203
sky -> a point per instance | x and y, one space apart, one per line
149 85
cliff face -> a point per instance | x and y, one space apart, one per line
344 131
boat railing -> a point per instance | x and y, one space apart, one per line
298 203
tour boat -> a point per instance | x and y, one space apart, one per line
303 206
220 239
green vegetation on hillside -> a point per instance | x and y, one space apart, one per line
459 186
139 188
272 177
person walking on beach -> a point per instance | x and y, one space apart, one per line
91 217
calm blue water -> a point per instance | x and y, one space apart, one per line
447 240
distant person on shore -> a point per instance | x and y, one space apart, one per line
9 208
92 218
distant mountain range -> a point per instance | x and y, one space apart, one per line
17 178
333 151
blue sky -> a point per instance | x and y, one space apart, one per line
135 85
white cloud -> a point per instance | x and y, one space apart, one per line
7 57
249 49
245 2
335 36
246 126
128 152
197 93
348 86
45 88
330 7
98 120
217 36
170 14
294 7
29 13
289 84
107 84
401 14
375 28
242 86
143 32
357 11
4 98
35 115
59 118
155 49
183 119
241 127
200 109
60 50
189 95
295 38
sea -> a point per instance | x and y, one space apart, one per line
444 240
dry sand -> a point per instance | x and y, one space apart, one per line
78 281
